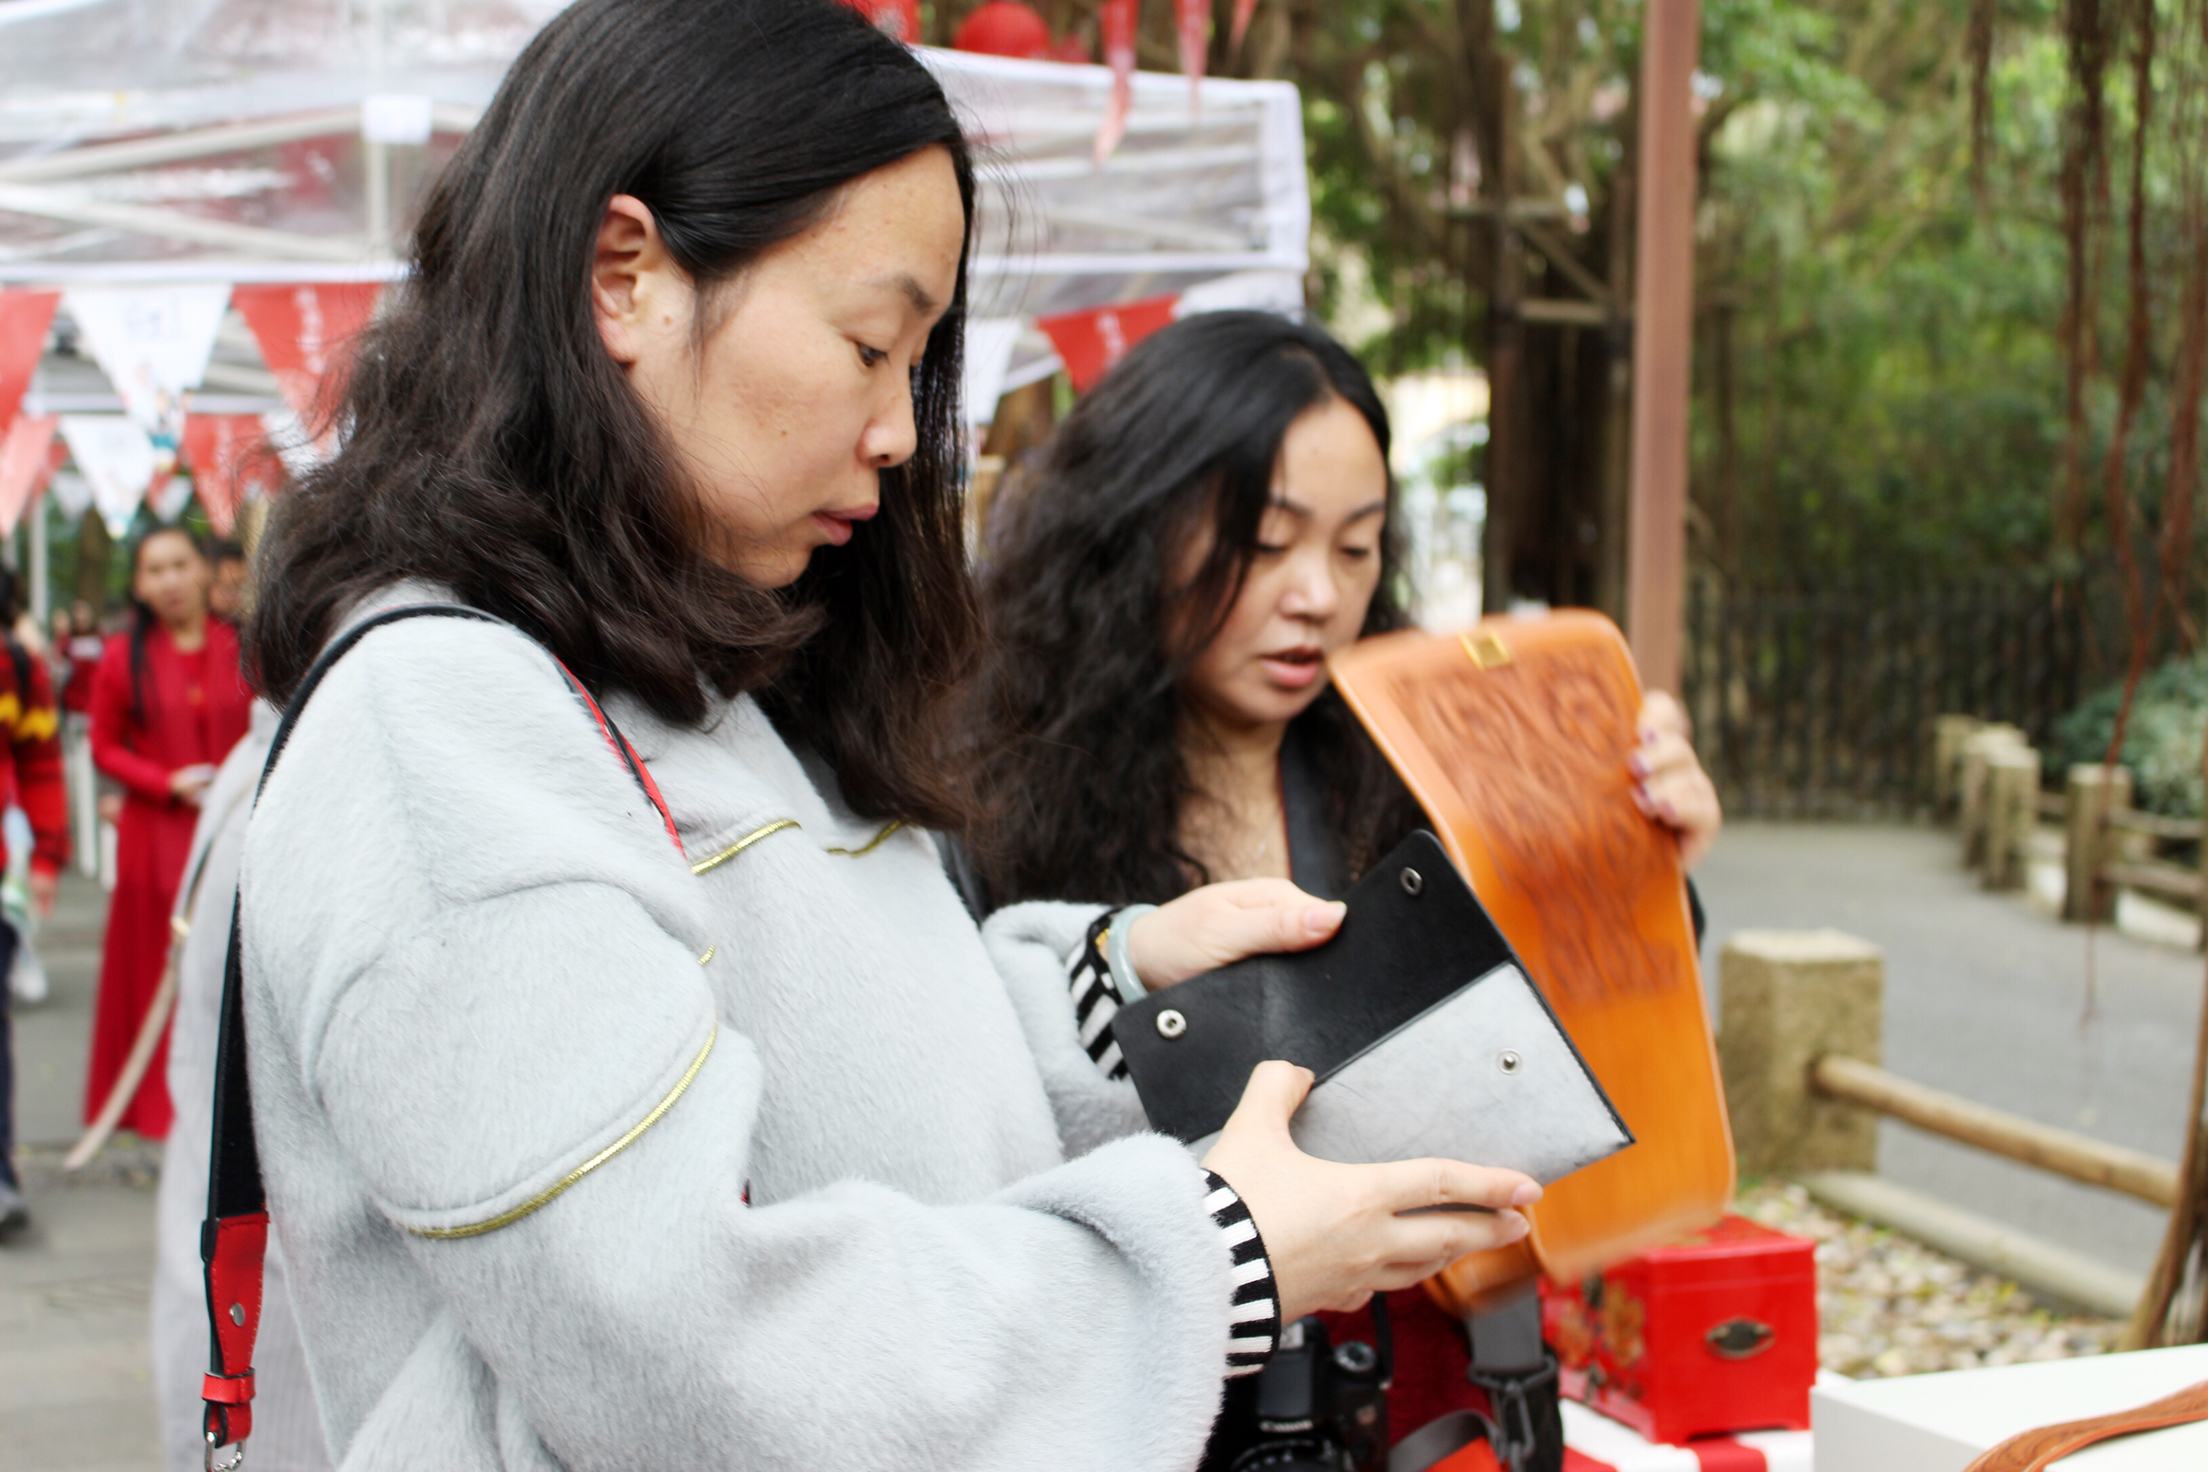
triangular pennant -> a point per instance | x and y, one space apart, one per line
1116 19
231 463
989 345
168 500
72 493
153 343
117 458
1091 341
289 439
26 460
305 330
25 317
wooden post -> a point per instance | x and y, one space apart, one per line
1789 998
1663 337
1948 734
1980 745
2094 790
2012 815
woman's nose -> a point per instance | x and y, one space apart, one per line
1311 590
891 436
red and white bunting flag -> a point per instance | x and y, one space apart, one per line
26 462
25 317
1243 10
1194 34
232 462
305 331
1090 342
153 343
1116 19
115 455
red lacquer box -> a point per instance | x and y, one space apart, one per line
1714 1333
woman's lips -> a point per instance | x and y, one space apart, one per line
1293 669
836 525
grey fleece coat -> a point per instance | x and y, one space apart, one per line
517 1069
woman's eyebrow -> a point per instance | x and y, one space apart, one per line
1282 503
909 284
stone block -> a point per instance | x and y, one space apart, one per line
2012 815
2094 791
1789 998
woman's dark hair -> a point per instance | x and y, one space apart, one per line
493 446
1079 764
143 619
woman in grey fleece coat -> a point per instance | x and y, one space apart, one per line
591 1149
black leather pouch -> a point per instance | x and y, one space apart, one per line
1427 1037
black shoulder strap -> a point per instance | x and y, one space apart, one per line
234 1237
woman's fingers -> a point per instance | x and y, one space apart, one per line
1276 1090
1219 923
1413 1185
1335 1233
1669 783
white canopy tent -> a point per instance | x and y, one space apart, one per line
258 141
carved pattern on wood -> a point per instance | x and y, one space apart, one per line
1536 751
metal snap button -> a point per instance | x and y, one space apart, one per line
1508 1061
237 1314
1171 1024
1413 882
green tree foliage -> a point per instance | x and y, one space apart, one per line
1881 350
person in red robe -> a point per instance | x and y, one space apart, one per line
168 703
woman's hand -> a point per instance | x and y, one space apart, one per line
1208 927
190 784
1669 783
1334 1233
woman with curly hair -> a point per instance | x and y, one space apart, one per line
1211 522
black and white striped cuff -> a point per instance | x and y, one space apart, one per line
1254 1326
1095 997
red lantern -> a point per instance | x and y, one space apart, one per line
1005 28
899 18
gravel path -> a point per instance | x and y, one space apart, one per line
1889 1305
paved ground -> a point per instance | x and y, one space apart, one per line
1986 997
75 1388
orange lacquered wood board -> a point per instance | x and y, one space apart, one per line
1514 738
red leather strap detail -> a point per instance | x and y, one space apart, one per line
627 753
228 1390
234 1259
228 1423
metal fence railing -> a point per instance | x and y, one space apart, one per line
1817 702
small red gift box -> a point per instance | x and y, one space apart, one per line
1714 1333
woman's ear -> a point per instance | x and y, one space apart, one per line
631 275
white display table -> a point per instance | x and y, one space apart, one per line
1940 1423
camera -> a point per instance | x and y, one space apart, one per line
1314 1407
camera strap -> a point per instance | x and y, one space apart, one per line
1515 1375
233 1240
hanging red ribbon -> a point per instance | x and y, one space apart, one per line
1116 19
1195 42
1243 10
1090 342
24 318
304 331
231 461
27 462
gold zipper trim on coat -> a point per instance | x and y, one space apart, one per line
709 951
508 1218
707 866
872 844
